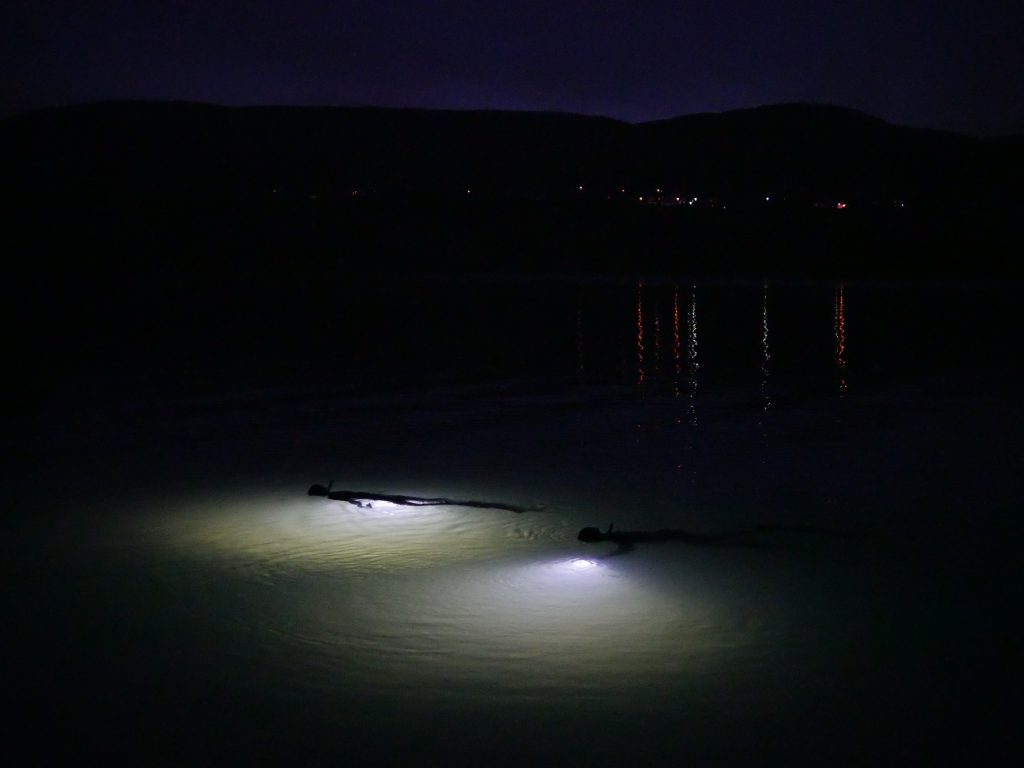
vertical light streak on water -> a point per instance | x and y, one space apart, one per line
641 373
691 350
657 340
840 334
765 351
676 343
579 341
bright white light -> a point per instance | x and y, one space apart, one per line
304 533
421 602
371 505
551 622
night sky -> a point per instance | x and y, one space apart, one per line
956 65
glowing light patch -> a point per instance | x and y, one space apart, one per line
532 627
382 507
294 532
438 599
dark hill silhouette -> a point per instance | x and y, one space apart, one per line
147 231
171 147
171 200
822 152
801 152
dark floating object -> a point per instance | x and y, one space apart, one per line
366 499
625 540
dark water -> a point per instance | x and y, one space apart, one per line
177 596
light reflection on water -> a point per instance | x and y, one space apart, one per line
641 372
840 334
311 534
301 598
676 343
765 352
691 354
415 602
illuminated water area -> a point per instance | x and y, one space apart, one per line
180 596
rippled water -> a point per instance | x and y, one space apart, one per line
181 595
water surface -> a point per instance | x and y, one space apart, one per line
178 594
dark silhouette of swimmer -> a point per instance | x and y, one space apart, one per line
365 500
625 540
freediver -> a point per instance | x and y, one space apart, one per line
365 499
625 540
